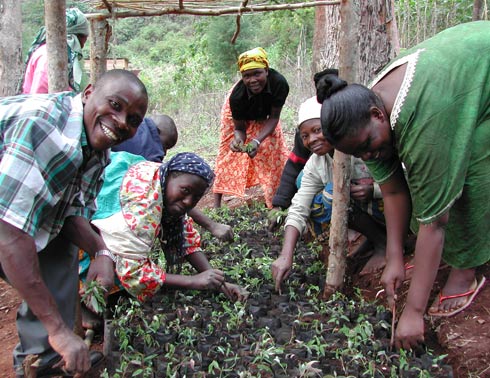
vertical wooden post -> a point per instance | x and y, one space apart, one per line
10 47
54 13
348 59
99 34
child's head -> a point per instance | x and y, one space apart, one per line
310 127
186 178
166 129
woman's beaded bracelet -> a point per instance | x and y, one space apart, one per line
106 252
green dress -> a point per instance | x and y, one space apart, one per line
441 126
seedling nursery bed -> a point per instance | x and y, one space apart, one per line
294 333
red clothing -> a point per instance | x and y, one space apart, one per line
236 171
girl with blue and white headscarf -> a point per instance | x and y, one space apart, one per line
142 209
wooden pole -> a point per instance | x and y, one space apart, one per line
100 33
342 163
54 13
148 11
11 66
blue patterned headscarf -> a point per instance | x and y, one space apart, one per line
187 162
172 229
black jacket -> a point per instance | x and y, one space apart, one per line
296 161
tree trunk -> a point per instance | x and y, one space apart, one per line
348 59
377 40
54 13
378 37
10 47
100 33
477 6
368 39
326 37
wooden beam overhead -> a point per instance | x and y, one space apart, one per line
125 9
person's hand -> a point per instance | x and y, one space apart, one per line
211 279
360 191
281 268
72 349
237 144
275 218
391 279
252 148
222 231
102 270
410 330
234 292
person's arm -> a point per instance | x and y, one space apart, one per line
428 252
80 232
298 213
295 163
397 211
19 261
281 267
218 230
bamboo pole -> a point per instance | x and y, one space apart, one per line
349 26
54 11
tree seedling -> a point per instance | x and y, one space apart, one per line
94 297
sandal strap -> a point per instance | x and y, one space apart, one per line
442 297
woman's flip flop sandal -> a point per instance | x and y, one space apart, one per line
470 295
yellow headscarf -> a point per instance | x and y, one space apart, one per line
251 59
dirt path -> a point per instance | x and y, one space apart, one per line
9 301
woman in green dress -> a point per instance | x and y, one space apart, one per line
423 129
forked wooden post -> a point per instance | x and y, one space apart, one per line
341 168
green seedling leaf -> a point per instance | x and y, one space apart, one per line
94 297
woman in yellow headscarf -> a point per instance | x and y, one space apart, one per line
252 150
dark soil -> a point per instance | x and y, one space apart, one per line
295 334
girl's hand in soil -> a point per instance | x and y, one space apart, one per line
275 218
221 231
410 330
211 279
281 268
234 292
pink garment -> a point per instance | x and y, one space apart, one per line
36 77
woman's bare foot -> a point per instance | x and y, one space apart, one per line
375 263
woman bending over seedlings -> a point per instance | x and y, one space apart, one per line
252 150
312 203
429 110
141 209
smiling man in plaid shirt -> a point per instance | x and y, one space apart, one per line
53 150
